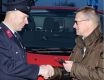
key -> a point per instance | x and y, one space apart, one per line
61 61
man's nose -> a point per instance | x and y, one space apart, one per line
26 21
74 26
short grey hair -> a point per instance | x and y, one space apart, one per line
91 14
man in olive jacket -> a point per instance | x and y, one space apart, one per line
87 58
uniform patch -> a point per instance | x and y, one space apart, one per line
9 34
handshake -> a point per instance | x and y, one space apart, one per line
47 71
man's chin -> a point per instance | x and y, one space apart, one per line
20 29
77 33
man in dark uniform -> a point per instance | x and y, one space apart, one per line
13 64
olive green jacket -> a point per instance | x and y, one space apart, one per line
91 65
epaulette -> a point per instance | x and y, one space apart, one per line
9 33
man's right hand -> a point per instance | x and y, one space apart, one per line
46 71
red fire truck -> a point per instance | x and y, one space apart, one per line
49 36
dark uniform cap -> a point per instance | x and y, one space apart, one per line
21 5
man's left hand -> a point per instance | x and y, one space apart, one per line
68 65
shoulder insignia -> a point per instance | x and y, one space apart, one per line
9 33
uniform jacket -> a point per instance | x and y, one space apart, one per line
13 64
91 65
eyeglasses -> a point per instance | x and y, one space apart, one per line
80 21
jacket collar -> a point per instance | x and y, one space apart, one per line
90 39
8 32
9 27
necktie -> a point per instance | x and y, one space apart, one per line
18 38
